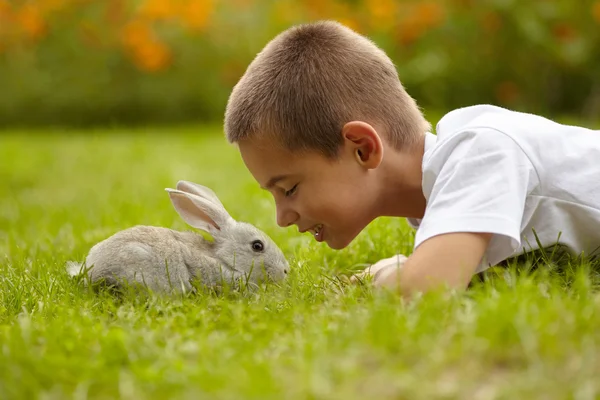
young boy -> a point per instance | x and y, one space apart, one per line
323 123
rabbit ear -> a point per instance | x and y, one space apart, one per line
198 190
199 212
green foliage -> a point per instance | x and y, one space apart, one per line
81 62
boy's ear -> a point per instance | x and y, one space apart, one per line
364 142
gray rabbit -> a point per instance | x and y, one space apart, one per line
144 254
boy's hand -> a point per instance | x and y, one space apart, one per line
448 260
381 269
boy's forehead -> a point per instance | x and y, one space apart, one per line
264 150
266 160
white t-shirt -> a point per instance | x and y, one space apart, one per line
510 173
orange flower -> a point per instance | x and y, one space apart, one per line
195 14
5 8
285 11
424 15
48 6
240 4
462 3
381 11
31 22
316 8
596 11
342 13
135 33
410 30
89 34
5 22
564 32
115 11
152 56
491 21
149 54
507 92
158 9
350 23
231 72
429 13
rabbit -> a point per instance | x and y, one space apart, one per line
144 254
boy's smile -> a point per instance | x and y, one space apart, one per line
332 199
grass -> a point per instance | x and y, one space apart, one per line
523 333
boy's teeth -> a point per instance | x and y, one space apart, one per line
317 230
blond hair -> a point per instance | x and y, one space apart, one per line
312 79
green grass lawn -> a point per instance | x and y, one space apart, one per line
519 335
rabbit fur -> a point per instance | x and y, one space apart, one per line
143 254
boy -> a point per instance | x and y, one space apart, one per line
323 123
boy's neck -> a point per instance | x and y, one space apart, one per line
400 177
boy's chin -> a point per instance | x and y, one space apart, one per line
339 243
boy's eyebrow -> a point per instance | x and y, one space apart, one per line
273 181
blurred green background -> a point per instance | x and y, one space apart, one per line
99 62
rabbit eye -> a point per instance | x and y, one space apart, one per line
257 245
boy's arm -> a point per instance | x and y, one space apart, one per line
477 180
448 260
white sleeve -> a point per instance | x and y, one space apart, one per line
478 182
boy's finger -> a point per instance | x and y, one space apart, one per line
356 277
370 271
380 269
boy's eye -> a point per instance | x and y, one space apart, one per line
291 191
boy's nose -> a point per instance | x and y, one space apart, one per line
286 217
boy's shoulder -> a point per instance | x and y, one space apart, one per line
485 117
487 128
481 150
463 117
494 170
517 124
471 130
522 127
470 146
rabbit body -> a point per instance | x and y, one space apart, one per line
166 260
159 258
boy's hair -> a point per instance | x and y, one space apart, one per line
312 79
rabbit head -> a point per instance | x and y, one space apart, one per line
238 245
